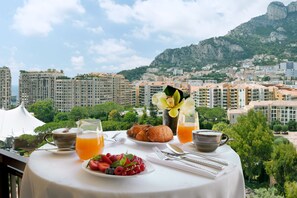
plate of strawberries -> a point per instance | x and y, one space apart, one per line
122 165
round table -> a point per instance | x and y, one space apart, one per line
51 175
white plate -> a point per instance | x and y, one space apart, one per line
148 169
61 152
190 147
148 143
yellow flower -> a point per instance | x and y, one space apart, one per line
173 103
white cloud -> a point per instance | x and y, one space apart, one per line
183 18
111 47
115 12
95 30
128 62
38 17
115 55
79 23
78 62
70 45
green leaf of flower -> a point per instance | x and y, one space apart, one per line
163 103
176 97
173 112
178 106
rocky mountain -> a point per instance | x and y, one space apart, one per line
274 34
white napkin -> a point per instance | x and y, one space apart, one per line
198 169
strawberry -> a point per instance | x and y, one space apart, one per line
102 166
120 156
106 159
113 158
118 170
93 165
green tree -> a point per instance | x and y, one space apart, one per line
154 120
291 189
253 143
111 125
277 128
61 116
143 118
130 117
283 164
266 193
274 122
210 116
280 140
48 127
114 115
101 111
221 126
78 113
292 125
285 128
153 111
43 110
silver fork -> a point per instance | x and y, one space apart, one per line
113 138
163 156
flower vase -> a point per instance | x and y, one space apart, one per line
170 121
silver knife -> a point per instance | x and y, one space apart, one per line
162 156
219 161
204 162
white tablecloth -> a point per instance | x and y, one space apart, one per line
49 175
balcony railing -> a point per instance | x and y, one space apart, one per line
12 166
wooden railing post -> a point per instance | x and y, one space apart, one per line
12 166
4 187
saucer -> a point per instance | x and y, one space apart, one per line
61 152
191 148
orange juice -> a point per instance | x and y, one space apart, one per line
88 145
184 132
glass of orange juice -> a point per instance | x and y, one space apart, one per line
186 124
90 139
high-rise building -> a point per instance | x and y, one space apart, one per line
228 96
92 89
284 111
5 87
37 85
146 90
82 90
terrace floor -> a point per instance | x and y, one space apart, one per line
292 137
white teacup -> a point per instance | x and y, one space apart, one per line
208 140
63 137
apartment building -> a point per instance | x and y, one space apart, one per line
91 89
65 94
146 90
123 91
230 96
284 111
82 90
37 85
5 87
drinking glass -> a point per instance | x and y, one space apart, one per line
89 139
186 124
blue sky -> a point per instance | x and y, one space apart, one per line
107 35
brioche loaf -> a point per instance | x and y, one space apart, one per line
136 128
161 133
148 133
